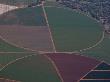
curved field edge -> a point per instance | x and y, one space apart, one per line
33 68
24 16
72 28
6 47
18 2
49 3
8 57
100 52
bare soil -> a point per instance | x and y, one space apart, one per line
32 37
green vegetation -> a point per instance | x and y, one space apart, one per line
18 2
8 57
34 68
101 52
52 3
5 47
71 30
25 16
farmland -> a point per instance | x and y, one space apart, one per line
70 27
31 69
17 3
24 16
49 42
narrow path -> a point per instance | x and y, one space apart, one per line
90 47
7 80
56 68
46 18
14 61
102 38
17 46
89 71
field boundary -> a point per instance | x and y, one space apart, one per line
103 32
100 41
10 41
7 80
54 65
46 18
15 61
45 56
89 71
14 45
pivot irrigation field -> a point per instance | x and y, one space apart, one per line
18 3
49 43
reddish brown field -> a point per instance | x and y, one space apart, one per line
32 37
72 67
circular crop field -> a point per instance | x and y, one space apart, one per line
65 30
35 68
44 43
72 30
54 67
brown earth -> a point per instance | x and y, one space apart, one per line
72 67
32 37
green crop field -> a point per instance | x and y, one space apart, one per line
100 52
5 58
71 30
5 47
18 2
34 68
64 30
25 16
52 3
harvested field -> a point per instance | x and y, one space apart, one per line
72 66
34 38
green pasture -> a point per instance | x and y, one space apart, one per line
31 69
100 52
71 30
24 16
5 58
52 3
6 47
18 2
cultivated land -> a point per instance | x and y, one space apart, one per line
6 47
72 67
35 68
100 52
52 3
69 30
33 38
18 2
72 31
6 58
24 16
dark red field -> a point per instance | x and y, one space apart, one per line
72 67
32 37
